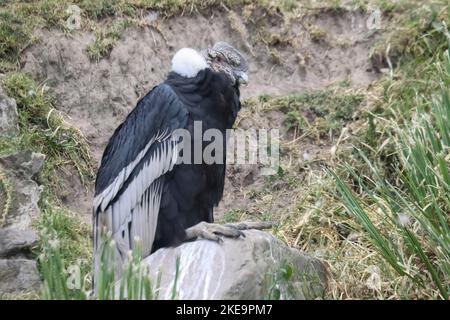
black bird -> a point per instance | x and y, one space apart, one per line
141 190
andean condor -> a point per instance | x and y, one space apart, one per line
140 190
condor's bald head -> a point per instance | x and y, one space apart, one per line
222 57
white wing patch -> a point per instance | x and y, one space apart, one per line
135 212
140 222
103 199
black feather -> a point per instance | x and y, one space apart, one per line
189 191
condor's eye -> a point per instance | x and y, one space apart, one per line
218 59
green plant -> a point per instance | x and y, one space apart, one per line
134 283
294 120
287 283
64 281
417 203
14 36
318 113
278 281
105 39
5 191
43 129
53 269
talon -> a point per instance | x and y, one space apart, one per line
212 232
231 231
258 225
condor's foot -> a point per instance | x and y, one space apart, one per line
212 231
247 225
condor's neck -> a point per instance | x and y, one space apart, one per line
209 96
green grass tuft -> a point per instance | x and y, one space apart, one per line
105 39
63 282
402 200
323 111
43 129
14 38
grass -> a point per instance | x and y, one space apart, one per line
14 37
317 34
330 110
394 182
52 266
19 19
416 206
372 201
232 215
105 39
275 281
6 190
286 283
58 225
321 113
64 282
43 129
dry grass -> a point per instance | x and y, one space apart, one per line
303 198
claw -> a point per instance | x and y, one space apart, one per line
229 230
211 231
258 225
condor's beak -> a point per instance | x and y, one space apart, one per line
242 77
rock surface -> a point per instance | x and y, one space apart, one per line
18 276
8 115
17 243
19 197
258 266
25 193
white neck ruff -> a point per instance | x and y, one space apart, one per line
188 62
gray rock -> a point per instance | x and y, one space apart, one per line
8 115
18 276
17 243
25 192
27 163
258 266
18 209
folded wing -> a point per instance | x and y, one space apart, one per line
131 175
